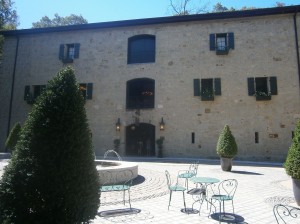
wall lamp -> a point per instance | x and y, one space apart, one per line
162 124
118 125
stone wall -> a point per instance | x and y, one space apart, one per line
264 47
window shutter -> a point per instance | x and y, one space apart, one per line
273 85
217 86
89 90
76 50
212 42
61 51
197 87
251 90
230 41
26 92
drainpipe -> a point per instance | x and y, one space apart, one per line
297 45
12 89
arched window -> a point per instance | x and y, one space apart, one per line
141 49
140 93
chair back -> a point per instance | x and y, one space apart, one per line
169 183
286 214
228 187
193 169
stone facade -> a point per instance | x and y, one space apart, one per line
264 46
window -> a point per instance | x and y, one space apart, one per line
141 49
68 52
32 92
221 43
262 87
207 88
140 93
86 90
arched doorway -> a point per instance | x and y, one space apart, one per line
140 140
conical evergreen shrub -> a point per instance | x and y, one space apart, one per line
292 163
13 136
226 146
52 177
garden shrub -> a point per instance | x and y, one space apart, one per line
292 163
52 176
226 146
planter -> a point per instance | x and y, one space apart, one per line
207 98
226 164
263 98
296 190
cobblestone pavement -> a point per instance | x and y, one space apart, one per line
260 187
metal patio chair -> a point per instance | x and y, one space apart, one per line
226 192
187 174
286 214
176 187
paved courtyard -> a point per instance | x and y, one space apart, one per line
261 185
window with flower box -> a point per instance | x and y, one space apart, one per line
207 89
262 87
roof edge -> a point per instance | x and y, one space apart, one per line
158 20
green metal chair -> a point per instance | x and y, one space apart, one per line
226 192
286 214
187 174
176 188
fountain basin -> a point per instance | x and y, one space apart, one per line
114 167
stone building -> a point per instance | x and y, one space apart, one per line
181 77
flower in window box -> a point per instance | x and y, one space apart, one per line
260 95
207 95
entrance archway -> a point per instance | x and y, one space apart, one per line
140 140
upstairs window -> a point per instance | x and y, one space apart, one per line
262 87
140 93
31 93
221 43
68 52
86 90
207 88
141 49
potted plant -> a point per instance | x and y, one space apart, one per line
160 143
116 144
207 94
226 148
292 163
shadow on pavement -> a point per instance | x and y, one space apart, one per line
119 212
246 172
228 218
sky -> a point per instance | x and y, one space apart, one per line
95 11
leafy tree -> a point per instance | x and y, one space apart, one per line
280 4
51 177
8 15
59 21
13 137
186 7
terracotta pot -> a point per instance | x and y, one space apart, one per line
226 164
296 190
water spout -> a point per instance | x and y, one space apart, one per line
112 151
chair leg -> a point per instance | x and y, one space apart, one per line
129 198
184 201
124 197
170 199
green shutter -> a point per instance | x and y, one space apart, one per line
89 91
251 90
217 82
26 92
61 51
76 50
212 42
273 85
197 87
230 41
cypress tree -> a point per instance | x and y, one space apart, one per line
52 177
226 145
